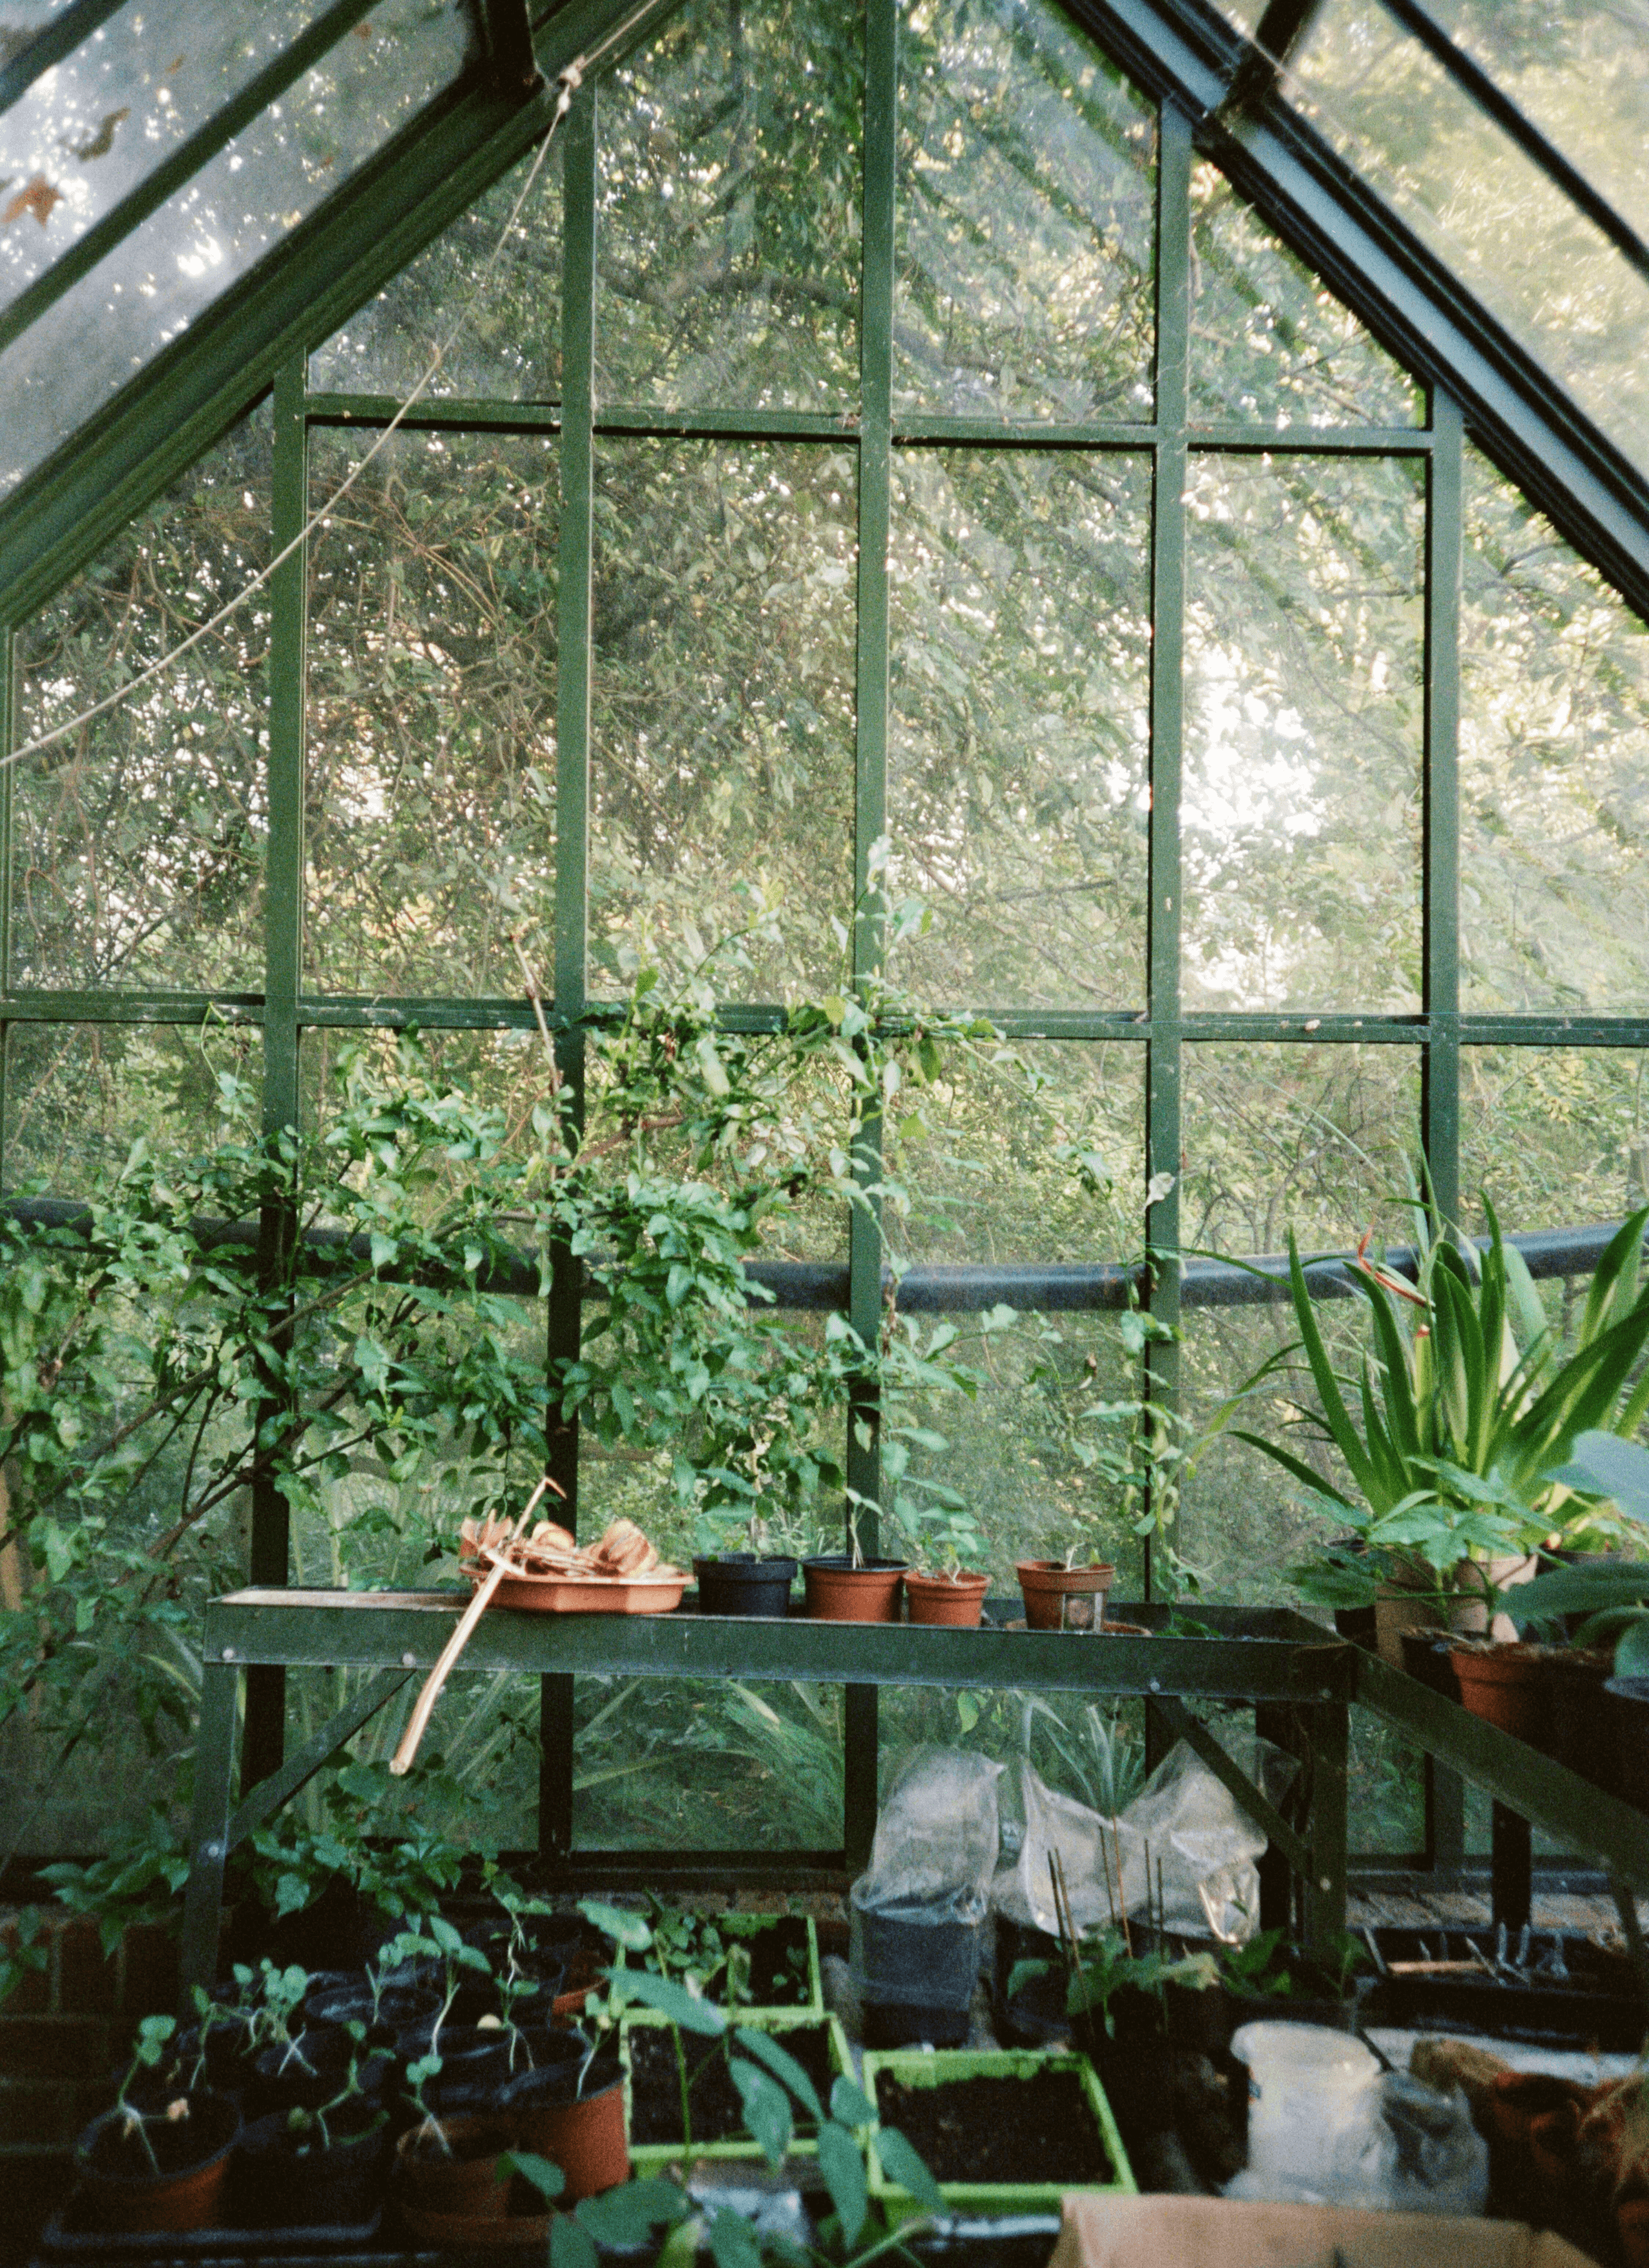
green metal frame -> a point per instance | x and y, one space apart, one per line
1269 1656
257 339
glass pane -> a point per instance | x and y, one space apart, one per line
117 107
78 1096
729 190
1485 209
985 1184
78 354
1558 1136
723 707
1554 765
137 843
1303 731
706 1764
1029 1458
431 806
1322 1140
509 346
1577 70
1026 218
1021 674
1270 344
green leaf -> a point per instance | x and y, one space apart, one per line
627 1929
571 2244
900 2163
782 2065
1631 1655
628 2216
674 2002
733 2241
843 2170
767 2110
546 2177
851 2105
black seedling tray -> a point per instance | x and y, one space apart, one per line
66 2237
1508 1991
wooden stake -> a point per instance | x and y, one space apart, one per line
400 1763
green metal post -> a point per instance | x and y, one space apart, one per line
864 1241
267 1559
209 1830
1326 1729
572 858
1161 1380
8 742
1439 1067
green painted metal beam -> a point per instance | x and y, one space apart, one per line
1268 1654
296 1772
184 401
1580 1816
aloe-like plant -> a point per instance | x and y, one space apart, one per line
1614 1600
1454 1436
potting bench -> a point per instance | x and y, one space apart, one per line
1299 1679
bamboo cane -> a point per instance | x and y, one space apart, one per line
400 1763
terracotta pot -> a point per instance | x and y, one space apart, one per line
839 1592
1535 2122
1057 1597
1505 1685
583 2136
465 2183
957 1600
190 2195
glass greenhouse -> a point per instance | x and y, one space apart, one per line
968 661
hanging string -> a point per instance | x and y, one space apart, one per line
569 82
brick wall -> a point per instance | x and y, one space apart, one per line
62 2032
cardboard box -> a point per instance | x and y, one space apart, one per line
1192 2232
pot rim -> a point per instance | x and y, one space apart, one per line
965 1578
224 2105
838 1563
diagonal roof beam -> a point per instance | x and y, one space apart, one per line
1275 36
190 395
1182 51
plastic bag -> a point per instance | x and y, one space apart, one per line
1401 2147
936 1837
1202 1848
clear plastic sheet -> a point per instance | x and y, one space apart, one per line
1200 1846
936 1838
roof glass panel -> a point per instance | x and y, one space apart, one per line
1578 72
151 286
89 130
1484 208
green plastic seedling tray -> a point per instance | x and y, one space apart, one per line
933 2067
653 2157
813 2005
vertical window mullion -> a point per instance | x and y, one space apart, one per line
1444 547
1167 715
864 1251
572 859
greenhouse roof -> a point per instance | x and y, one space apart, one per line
188 195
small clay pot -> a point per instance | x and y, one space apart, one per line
123 2191
583 2134
956 1599
1057 1597
839 1592
1631 2226
739 1583
1505 1685
283 2180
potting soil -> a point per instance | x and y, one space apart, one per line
718 2114
778 1965
1039 2129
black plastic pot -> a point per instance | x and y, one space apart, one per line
1035 2016
1629 1706
739 1583
284 2180
916 1975
315 2072
1425 1657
